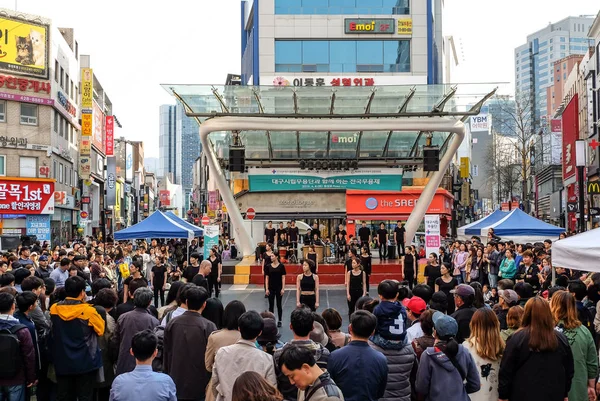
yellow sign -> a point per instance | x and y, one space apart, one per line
224 208
86 124
117 207
464 167
593 188
23 47
405 26
85 148
87 89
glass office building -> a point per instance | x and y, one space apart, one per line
312 42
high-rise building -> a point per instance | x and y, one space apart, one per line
534 61
167 142
179 147
151 164
342 43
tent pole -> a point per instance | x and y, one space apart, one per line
553 276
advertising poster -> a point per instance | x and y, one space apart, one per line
85 149
85 167
289 179
211 238
39 225
165 197
433 240
86 125
24 47
87 89
128 162
26 197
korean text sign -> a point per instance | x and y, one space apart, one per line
23 47
39 225
27 196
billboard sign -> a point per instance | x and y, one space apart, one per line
211 237
480 123
87 89
39 225
85 166
110 136
289 179
370 25
98 128
24 46
86 125
23 196
165 197
570 127
405 26
111 180
433 240
128 162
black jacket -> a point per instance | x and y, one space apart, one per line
463 316
495 258
527 375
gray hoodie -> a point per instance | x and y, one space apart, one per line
438 379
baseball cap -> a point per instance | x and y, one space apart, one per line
43 258
416 305
509 296
463 290
444 325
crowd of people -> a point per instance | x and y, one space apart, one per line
89 322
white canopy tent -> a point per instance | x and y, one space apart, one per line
580 252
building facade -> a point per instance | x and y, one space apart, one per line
341 43
534 60
168 163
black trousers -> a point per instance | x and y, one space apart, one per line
309 300
400 246
213 283
410 278
158 291
75 387
275 294
354 296
367 278
382 251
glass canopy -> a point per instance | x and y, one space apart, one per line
211 101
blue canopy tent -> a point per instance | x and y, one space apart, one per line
521 227
475 228
198 232
157 225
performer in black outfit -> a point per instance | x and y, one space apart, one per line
399 234
270 232
276 286
307 286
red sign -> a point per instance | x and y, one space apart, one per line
24 84
387 204
26 196
250 213
85 200
505 207
205 220
44 171
165 198
196 220
110 136
570 127
84 215
556 125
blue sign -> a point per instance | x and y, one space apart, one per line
39 225
211 238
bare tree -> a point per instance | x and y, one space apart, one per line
504 167
516 118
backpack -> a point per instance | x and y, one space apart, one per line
157 363
10 349
586 316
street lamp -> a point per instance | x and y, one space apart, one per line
580 162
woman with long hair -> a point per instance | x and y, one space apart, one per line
250 386
356 285
426 340
486 347
266 264
307 286
229 335
459 262
432 270
447 283
508 268
446 370
276 286
538 363
564 311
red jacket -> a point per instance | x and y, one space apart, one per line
26 373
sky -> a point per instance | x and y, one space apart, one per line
136 46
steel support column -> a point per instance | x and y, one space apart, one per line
291 125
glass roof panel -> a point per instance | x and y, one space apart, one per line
372 143
256 143
206 100
343 145
284 143
313 145
401 144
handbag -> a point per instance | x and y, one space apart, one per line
474 274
